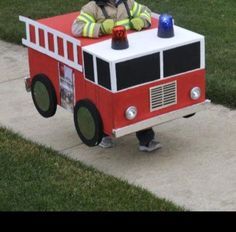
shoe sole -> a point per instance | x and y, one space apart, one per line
105 146
144 149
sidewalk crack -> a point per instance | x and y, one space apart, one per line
68 148
11 80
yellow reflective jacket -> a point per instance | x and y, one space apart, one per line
88 23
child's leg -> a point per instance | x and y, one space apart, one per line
145 136
146 140
106 141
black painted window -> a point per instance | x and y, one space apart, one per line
182 59
138 71
88 66
104 76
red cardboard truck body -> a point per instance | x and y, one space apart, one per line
154 81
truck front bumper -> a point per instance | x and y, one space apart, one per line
160 119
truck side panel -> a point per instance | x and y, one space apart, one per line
101 98
43 64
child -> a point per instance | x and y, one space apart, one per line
98 18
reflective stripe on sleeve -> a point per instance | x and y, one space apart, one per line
88 30
146 15
103 29
125 23
137 8
86 18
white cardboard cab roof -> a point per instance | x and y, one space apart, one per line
144 42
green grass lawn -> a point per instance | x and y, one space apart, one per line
213 18
34 178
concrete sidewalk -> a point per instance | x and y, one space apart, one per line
196 168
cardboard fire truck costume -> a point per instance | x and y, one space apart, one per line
117 92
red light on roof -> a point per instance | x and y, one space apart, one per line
119 38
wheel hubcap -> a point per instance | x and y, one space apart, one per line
41 96
86 123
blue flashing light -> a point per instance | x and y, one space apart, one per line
165 27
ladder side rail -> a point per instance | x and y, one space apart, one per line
51 54
56 34
50 30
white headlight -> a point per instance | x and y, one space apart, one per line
131 113
195 93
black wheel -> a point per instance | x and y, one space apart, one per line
88 123
189 116
44 96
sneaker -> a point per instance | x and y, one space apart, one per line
153 145
106 142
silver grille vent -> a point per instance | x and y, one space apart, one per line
163 95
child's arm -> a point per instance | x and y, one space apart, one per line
142 12
86 24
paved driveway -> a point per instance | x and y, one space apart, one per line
196 168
